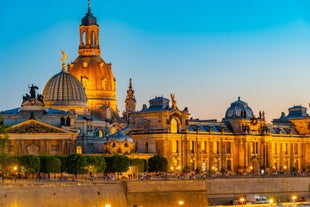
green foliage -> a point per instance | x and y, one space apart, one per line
4 138
95 164
29 163
146 165
137 165
197 170
49 164
158 163
186 169
63 162
117 163
8 164
76 164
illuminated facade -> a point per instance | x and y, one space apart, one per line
94 73
77 112
240 143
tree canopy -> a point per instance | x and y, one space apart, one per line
158 163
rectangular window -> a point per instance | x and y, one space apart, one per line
204 147
192 146
295 148
228 147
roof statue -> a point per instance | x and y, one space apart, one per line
33 91
63 60
173 100
64 56
33 98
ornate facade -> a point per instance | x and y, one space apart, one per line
239 143
94 73
78 113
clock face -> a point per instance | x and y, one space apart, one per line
230 112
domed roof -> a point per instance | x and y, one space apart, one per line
64 91
239 110
89 19
120 137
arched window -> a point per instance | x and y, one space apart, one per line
84 38
93 38
174 126
99 133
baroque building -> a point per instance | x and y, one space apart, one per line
240 143
77 113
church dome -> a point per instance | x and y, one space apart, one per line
239 110
64 91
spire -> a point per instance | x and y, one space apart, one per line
130 102
89 7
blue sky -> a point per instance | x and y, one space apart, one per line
206 52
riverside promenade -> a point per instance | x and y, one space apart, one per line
151 193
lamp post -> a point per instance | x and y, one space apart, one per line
107 205
271 201
181 203
294 198
242 199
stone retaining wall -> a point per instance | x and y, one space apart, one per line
194 193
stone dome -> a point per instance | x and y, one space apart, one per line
120 143
239 110
120 137
64 91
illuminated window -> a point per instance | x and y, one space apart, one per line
174 126
78 150
99 133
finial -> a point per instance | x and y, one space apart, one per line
130 85
88 4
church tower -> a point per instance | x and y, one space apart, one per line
93 72
130 102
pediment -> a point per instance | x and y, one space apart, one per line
33 126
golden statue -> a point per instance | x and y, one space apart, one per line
174 102
64 56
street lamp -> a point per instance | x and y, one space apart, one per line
242 199
181 203
107 205
271 201
294 198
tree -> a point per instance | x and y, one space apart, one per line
158 163
137 165
8 164
95 164
4 138
29 164
76 164
117 163
49 164
63 162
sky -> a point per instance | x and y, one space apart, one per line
206 52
